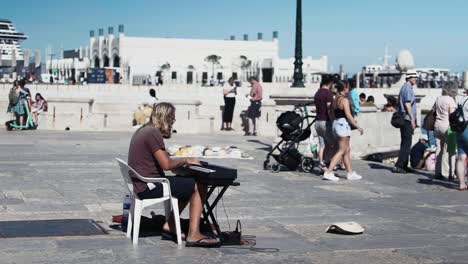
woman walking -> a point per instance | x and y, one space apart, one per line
342 130
444 106
462 144
229 93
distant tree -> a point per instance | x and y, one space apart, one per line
214 60
166 66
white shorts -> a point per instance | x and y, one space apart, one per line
341 128
38 110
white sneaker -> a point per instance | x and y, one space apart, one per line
353 176
330 177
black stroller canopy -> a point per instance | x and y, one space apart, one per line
290 125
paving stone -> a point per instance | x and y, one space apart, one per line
408 218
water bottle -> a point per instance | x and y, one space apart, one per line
126 207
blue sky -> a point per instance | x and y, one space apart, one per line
352 33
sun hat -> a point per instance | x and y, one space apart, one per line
345 228
411 74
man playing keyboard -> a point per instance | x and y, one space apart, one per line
148 156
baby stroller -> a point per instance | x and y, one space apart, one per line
295 128
28 123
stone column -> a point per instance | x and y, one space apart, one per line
465 80
358 80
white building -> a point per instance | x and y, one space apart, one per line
191 61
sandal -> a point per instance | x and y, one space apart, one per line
172 235
203 243
463 189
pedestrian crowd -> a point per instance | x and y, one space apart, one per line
446 121
21 104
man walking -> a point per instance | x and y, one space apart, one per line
253 113
407 105
323 125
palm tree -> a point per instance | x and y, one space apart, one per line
165 67
214 60
244 64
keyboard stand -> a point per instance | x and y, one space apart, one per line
208 208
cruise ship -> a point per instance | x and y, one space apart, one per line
10 49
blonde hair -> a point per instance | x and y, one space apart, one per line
161 118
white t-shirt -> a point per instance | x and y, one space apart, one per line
152 101
231 94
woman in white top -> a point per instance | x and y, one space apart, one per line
229 93
444 106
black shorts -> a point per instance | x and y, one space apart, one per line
254 109
181 188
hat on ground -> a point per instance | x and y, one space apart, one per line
424 137
411 74
345 228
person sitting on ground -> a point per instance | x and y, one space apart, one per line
39 106
420 152
147 155
370 101
362 98
391 105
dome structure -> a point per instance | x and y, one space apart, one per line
405 60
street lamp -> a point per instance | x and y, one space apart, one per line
298 75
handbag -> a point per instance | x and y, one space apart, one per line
232 238
429 120
398 119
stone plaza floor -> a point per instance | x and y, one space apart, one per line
72 175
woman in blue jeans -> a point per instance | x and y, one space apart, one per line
462 144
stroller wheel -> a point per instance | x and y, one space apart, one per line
266 165
275 168
307 164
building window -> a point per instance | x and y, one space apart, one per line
174 75
219 76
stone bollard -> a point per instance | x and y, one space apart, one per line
106 117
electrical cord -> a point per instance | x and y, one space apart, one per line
247 241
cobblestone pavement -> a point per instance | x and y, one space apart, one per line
72 175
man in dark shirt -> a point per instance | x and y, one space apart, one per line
323 125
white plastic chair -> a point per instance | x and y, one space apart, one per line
138 205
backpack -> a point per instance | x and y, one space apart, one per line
457 119
12 96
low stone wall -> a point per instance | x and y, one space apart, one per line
199 110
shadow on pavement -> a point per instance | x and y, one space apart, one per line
267 147
448 185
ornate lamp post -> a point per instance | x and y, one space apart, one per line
298 76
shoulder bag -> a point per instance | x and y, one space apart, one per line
429 120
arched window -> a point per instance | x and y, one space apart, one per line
116 61
97 62
106 61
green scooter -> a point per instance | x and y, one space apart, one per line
28 125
